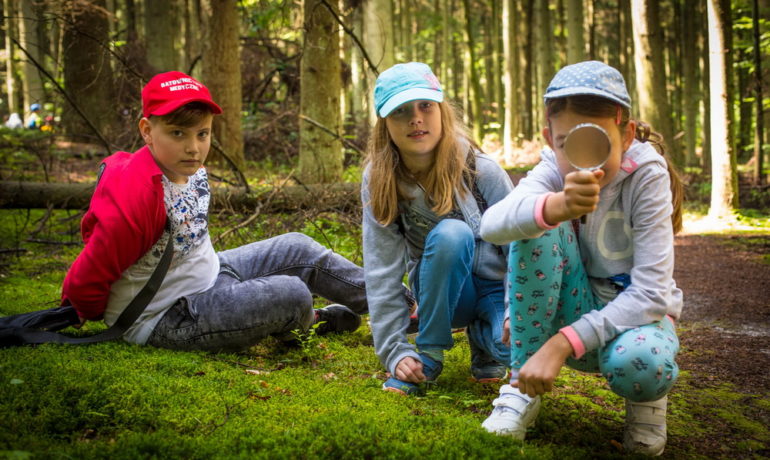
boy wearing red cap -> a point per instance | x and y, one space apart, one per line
207 300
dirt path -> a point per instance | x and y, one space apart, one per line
726 317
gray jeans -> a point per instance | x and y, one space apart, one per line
263 288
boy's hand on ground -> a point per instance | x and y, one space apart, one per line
579 197
410 370
507 332
538 373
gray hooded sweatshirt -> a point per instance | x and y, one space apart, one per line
629 233
389 253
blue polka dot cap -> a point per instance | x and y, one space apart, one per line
589 78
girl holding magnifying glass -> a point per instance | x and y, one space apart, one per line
598 295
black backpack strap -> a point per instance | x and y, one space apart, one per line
472 184
27 336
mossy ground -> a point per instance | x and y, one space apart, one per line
323 399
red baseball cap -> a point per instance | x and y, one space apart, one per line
168 91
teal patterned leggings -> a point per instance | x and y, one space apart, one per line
548 289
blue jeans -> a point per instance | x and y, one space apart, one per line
450 296
263 288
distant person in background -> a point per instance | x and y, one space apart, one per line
33 119
14 121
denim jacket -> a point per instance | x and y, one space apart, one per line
390 251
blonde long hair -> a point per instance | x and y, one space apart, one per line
388 174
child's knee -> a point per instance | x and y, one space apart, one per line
452 233
638 366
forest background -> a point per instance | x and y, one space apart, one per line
295 79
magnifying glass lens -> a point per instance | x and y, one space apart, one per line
587 146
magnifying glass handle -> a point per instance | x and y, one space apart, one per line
583 219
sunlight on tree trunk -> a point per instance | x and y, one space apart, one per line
724 188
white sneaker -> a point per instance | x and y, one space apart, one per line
514 412
645 427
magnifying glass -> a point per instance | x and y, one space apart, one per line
587 147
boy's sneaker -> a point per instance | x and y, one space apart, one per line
514 412
484 368
336 318
645 431
430 367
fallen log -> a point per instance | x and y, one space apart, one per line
322 197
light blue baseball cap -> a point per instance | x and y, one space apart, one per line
404 83
589 78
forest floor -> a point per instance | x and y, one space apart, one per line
323 398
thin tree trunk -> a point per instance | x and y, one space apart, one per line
654 107
32 83
10 64
691 85
378 39
475 87
576 47
627 53
510 58
222 75
526 57
759 122
497 82
724 186
320 154
545 69
445 43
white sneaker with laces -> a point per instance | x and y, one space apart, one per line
513 413
645 431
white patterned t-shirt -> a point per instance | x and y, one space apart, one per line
194 266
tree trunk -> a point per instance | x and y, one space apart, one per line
446 40
35 195
510 59
759 123
378 40
87 72
320 153
653 99
705 107
525 66
625 28
29 39
545 68
576 47
222 75
724 186
9 25
475 86
163 33
497 68
691 85
358 73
